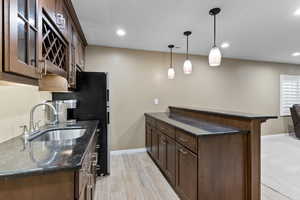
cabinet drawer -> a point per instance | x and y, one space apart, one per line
166 129
187 140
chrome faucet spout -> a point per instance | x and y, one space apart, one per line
31 122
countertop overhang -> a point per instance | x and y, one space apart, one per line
249 116
45 156
194 126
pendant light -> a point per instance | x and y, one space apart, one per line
215 55
171 71
187 65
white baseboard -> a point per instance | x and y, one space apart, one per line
275 135
128 151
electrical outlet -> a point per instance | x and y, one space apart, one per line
156 101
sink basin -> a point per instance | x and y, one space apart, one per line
61 135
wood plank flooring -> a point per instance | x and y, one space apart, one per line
135 176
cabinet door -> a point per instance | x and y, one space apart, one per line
162 156
81 54
77 48
170 166
154 144
22 40
148 138
186 173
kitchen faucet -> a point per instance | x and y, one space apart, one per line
32 126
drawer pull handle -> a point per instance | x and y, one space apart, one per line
182 151
182 140
94 159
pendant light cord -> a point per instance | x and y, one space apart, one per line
171 58
215 35
187 48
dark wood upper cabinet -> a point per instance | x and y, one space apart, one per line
40 37
72 67
58 13
55 52
64 27
21 38
186 173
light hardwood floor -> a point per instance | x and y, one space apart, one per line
135 177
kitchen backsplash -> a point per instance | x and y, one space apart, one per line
15 105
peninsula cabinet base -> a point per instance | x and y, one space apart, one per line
217 172
222 167
207 154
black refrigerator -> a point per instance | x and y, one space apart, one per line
92 95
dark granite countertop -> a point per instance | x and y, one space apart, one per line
226 113
193 126
44 156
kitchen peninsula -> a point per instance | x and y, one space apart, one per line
206 153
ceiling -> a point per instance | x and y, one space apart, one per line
264 30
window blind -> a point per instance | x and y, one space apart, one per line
289 93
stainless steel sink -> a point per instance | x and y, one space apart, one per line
61 135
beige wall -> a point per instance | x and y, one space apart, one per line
137 77
15 105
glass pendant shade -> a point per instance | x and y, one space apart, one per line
187 67
215 57
171 73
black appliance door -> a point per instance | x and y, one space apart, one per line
91 93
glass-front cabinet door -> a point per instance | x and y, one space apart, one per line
22 35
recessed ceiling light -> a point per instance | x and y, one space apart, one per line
296 54
225 45
121 32
297 12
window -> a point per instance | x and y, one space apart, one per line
289 93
